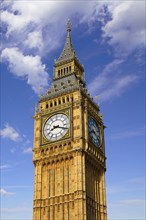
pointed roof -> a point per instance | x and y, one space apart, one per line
68 50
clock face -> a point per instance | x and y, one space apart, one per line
56 127
94 131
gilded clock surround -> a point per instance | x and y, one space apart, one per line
69 173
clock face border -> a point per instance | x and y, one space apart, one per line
56 127
44 120
93 132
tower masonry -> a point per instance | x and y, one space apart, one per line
69 150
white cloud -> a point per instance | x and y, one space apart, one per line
27 150
10 132
127 134
124 189
34 40
110 83
28 67
24 19
118 87
128 203
3 192
126 29
127 186
19 15
40 26
47 19
15 23
133 202
5 166
16 209
103 78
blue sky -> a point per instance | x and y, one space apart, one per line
109 39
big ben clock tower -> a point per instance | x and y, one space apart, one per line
69 152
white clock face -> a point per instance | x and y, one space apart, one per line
56 127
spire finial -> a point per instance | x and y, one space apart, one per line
68 25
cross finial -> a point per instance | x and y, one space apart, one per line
68 25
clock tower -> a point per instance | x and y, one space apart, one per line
69 151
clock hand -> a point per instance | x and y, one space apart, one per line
55 126
63 127
92 131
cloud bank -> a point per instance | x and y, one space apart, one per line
110 82
126 30
3 192
30 33
10 133
29 67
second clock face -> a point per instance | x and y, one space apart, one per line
56 127
94 131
